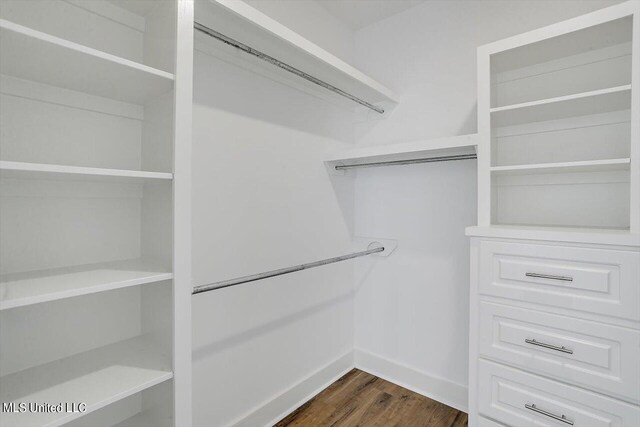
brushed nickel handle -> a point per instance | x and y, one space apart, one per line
562 418
562 349
550 276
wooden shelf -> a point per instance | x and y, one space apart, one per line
464 144
238 20
33 55
25 170
21 289
592 102
97 377
565 167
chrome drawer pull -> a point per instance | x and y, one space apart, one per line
549 276
548 414
549 346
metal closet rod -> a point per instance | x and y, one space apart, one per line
409 162
251 51
280 272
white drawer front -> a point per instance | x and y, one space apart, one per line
597 356
593 280
517 398
486 422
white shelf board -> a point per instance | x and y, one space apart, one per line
98 378
26 170
592 102
240 21
21 289
564 167
557 234
33 55
463 144
145 419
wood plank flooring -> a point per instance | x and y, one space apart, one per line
362 399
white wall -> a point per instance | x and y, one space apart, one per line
261 201
427 55
310 19
412 308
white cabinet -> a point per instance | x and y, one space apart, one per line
555 259
517 398
586 353
591 280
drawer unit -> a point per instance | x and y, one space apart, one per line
598 281
486 422
590 354
517 398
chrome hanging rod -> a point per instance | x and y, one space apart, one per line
280 272
408 162
251 51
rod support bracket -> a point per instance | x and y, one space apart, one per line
389 245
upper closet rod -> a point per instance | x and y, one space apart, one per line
248 49
280 272
409 162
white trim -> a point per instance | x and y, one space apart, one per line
182 281
277 408
635 125
286 402
436 388
557 234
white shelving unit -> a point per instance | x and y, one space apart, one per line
97 377
69 65
558 126
463 144
23 289
558 212
95 112
241 22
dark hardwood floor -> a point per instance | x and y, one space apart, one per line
362 399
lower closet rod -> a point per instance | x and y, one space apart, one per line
409 162
280 272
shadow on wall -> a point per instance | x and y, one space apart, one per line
249 93
226 343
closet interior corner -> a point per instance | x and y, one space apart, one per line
321 212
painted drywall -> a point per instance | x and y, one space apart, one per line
312 21
427 55
412 309
262 201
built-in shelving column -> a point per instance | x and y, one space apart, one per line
558 114
95 120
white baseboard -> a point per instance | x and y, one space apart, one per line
439 389
282 405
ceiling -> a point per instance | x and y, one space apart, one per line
358 14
